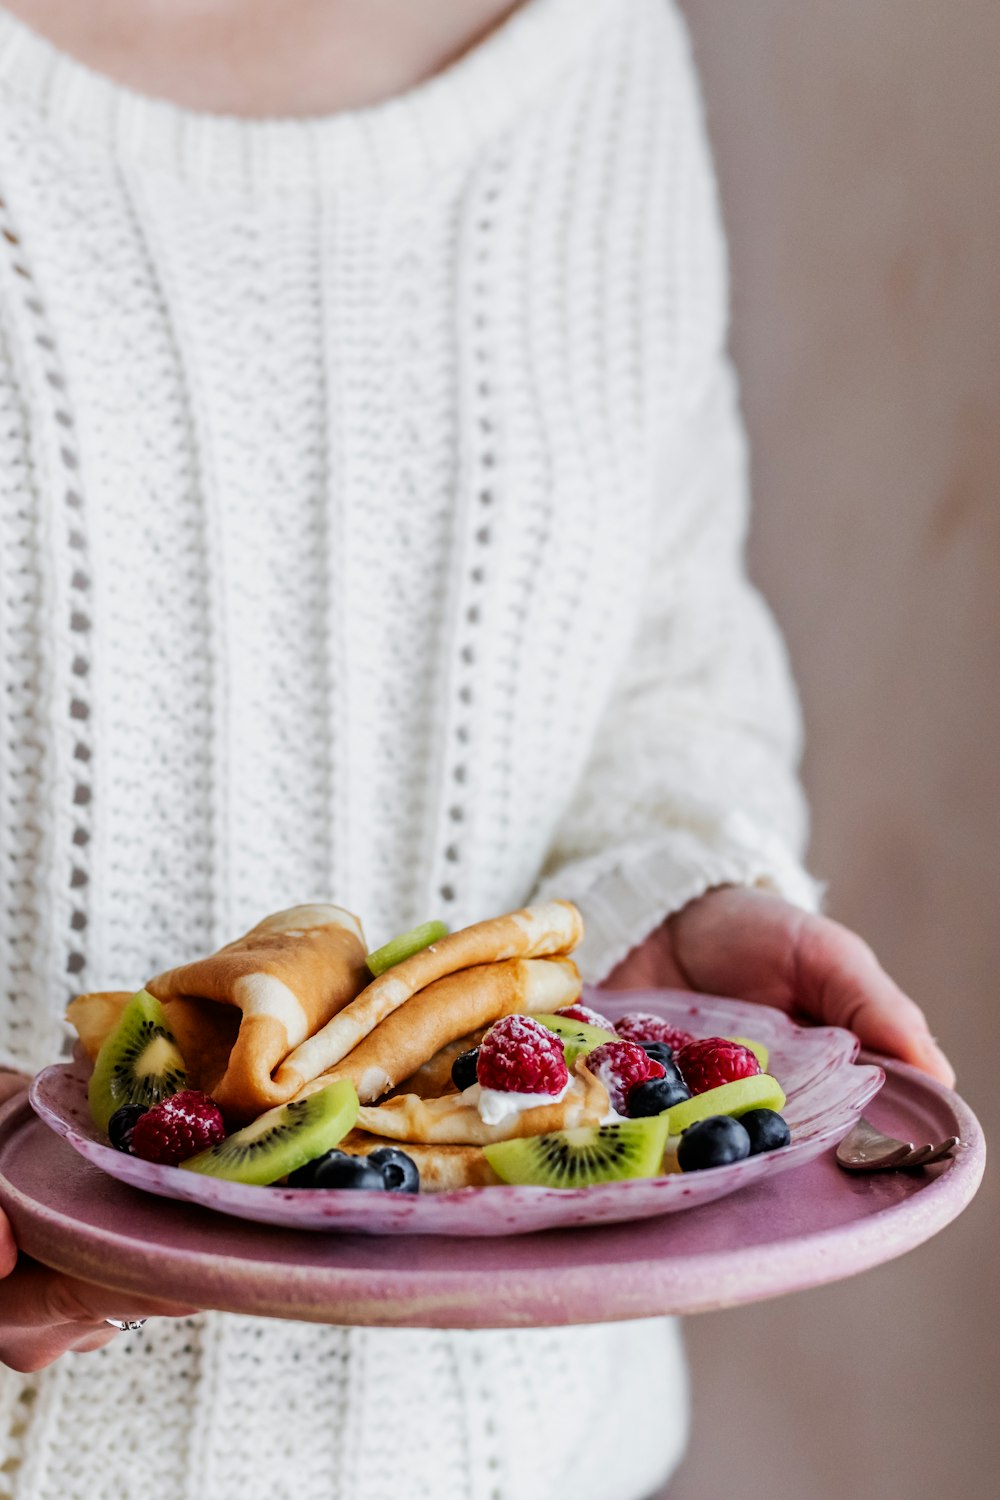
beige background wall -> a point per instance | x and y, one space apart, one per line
858 144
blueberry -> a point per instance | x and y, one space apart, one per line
659 1051
338 1170
656 1095
766 1129
712 1143
399 1171
463 1069
122 1124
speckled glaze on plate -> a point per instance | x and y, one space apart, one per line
826 1093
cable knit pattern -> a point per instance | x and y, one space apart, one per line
372 499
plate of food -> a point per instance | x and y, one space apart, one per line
457 1084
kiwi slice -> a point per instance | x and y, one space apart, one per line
758 1049
581 1157
138 1063
405 946
283 1139
577 1037
759 1092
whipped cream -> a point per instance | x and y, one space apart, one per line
497 1105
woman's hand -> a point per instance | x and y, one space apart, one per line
754 946
44 1314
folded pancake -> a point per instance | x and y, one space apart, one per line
443 1169
453 1119
542 931
242 1010
434 1076
448 1009
94 1016
204 1030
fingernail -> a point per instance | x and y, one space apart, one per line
938 1062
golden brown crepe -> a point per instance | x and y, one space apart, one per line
453 1119
447 1009
283 981
442 1169
434 1076
549 930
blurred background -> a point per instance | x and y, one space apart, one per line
857 147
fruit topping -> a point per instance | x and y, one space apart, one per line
659 1051
620 1066
175 1129
643 1026
400 1172
581 1157
336 1169
139 1062
714 1061
405 946
656 1095
121 1125
712 1143
521 1056
581 1012
282 1139
758 1049
767 1130
463 1069
760 1092
578 1037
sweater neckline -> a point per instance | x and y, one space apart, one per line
434 125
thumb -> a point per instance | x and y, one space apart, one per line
840 982
8 1246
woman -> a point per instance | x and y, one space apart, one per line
373 501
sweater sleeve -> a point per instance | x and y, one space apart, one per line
691 783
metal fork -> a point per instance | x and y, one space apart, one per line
866 1149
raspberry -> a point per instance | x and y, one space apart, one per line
180 1127
620 1066
642 1026
581 1012
713 1061
521 1056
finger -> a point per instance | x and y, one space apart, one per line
96 1340
840 982
8 1246
35 1297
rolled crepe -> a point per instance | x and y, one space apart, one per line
443 1169
434 1076
282 982
447 1009
205 1031
454 1119
534 932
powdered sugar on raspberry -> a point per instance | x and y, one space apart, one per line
643 1026
178 1129
620 1066
521 1056
580 1012
713 1061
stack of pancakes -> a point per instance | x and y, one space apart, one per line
291 1007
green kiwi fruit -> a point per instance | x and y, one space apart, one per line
405 946
759 1092
584 1156
282 1139
577 1037
139 1062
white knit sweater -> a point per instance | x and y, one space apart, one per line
372 497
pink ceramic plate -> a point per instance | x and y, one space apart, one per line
815 1066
